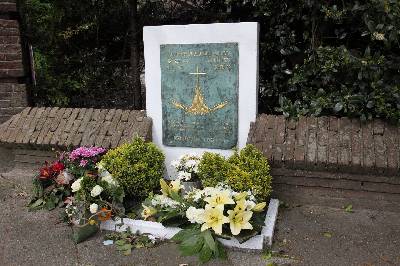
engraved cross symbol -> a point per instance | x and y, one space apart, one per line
197 72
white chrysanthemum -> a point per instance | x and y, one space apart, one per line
184 176
107 177
163 201
175 163
195 215
93 208
196 169
76 186
191 163
96 190
210 191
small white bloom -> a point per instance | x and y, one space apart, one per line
163 201
93 208
76 186
195 215
96 191
106 176
100 166
184 176
175 163
196 169
152 238
378 36
191 163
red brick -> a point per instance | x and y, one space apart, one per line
6 7
280 129
356 143
392 144
322 140
9 40
368 145
344 155
5 23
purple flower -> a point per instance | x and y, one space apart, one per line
86 152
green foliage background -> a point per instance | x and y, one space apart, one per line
317 57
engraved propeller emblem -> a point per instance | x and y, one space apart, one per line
198 106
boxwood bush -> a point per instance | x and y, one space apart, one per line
246 169
138 167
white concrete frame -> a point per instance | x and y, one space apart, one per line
256 243
245 34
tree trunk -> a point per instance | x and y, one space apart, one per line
135 56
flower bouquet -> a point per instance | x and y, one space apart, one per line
205 214
97 197
50 186
78 181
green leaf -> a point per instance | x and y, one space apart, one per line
192 245
184 234
205 254
83 233
221 250
209 240
120 242
124 247
327 235
36 204
338 107
348 208
127 252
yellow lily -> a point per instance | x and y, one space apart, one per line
240 206
239 221
214 218
175 185
148 211
259 207
164 187
220 199
240 196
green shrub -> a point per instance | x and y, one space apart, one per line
246 169
137 166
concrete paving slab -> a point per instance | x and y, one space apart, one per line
317 235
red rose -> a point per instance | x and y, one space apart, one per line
46 172
57 167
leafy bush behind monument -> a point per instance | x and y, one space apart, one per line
316 57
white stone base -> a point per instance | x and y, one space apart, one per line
258 242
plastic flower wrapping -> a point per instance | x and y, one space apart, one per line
186 167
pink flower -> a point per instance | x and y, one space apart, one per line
83 163
86 152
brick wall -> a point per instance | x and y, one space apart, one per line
53 127
328 143
13 93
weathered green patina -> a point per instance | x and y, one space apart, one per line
199 88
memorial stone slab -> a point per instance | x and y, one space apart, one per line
201 86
